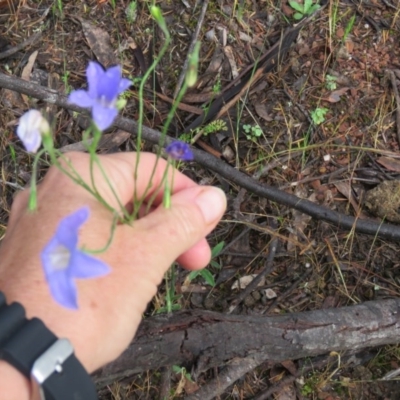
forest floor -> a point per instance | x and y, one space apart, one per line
323 124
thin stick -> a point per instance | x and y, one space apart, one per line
236 368
396 95
191 47
31 40
268 269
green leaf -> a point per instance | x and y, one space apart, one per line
217 249
207 275
318 115
307 5
177 369
215 264
315 7
296 6
247 128
194 274
297 16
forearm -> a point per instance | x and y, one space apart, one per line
13 385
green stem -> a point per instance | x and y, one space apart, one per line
137 202
161 143
158 188
55 155
111 237
120 205
32 204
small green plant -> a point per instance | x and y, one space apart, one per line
12 152
131 12
113 4
349 27
318 115
182 371
216 89
310 387
184 378
57 8
213 127
65 79
252 131
304 9
205 273
330 82
171 298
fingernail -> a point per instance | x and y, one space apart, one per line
212 202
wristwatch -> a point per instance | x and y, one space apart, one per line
50 362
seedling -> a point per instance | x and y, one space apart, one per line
349 27
182 370
216 89
205 273
318 115
58 8
213 127
330 82
172 299
65 79
131 12
183 379
307 8
252 131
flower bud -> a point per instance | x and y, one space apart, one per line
191 75
157 15
32 127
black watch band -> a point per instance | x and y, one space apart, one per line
29 346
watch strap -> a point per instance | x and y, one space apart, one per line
37 353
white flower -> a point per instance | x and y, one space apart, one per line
32 125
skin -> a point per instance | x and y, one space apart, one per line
139 255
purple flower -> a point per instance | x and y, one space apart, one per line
32 125
63 262
104 86
179 151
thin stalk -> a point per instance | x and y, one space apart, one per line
161 144
111 237
32 204
152 67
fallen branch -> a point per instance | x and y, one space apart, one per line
211 339
387 231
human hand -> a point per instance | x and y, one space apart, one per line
110 307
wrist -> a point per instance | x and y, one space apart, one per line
14 385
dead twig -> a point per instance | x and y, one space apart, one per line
393 82
390 5
268 269
15 49
286 293
235 369
165 384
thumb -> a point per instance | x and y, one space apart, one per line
193 214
